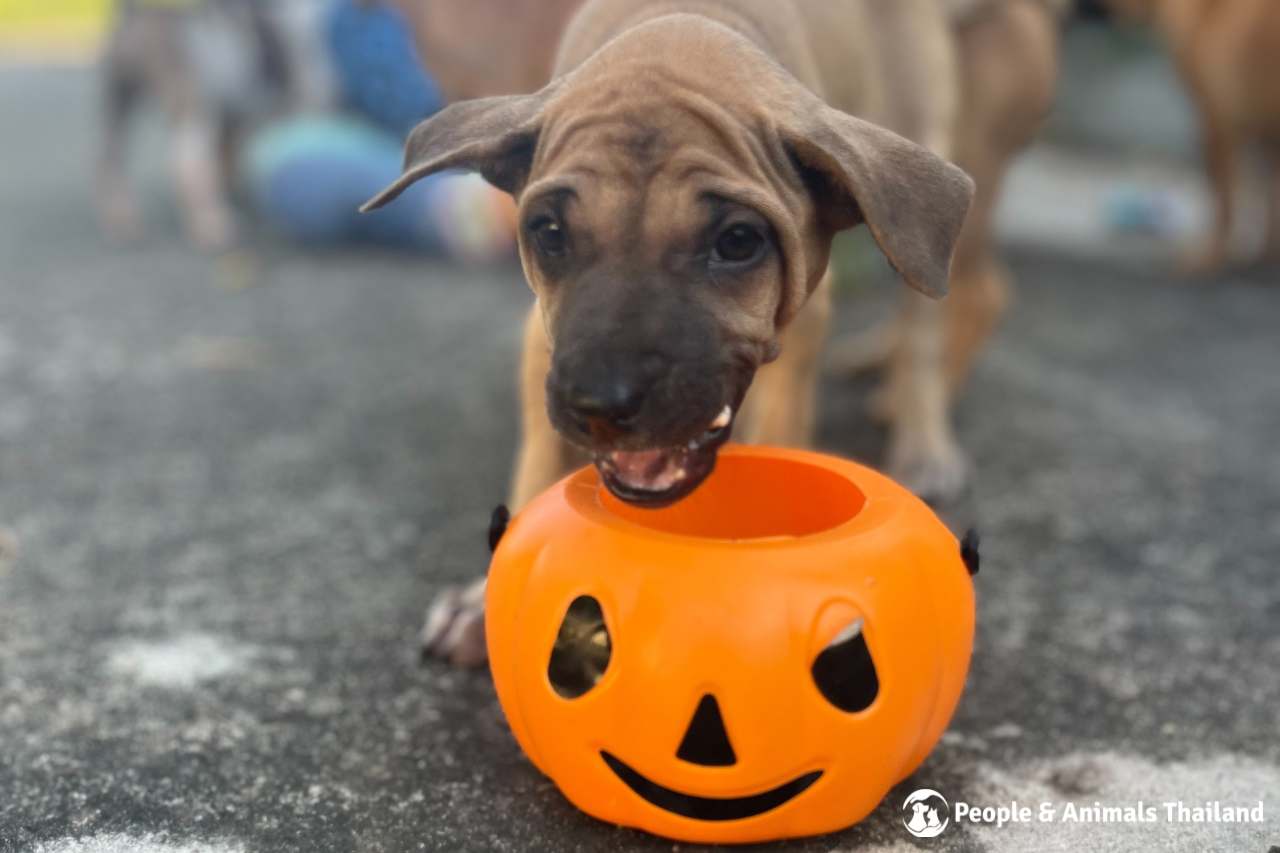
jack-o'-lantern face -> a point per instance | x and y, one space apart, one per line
728 669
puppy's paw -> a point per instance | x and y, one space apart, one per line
935 469
454 626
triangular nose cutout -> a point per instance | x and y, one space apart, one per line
706 742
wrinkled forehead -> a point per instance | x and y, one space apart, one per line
665 156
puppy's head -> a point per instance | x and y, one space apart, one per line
678 195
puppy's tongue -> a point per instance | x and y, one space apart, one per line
648 470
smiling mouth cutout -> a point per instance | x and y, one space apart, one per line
709 808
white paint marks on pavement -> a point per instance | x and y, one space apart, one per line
121 843
178 662
1171 805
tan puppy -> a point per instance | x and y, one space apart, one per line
1228 53
680 181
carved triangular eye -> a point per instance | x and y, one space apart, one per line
844 671
582 650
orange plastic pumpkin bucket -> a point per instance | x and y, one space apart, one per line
763 659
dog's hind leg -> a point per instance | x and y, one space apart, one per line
979 281
979 297
923 453
1007 61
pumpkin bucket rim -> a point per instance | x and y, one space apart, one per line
758 496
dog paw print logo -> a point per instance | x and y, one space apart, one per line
926 813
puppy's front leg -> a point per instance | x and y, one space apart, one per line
923 453
544 456
454 627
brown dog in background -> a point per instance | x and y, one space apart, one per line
680 181
1228 53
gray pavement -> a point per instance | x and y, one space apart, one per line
228 488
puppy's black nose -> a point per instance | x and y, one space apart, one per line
612 404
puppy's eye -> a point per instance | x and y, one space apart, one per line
738 244
549 237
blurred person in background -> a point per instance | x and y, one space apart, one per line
309 174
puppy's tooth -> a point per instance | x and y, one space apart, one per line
722 419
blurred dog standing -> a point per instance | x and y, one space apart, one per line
1228 53
212 66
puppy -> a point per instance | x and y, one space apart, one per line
210 65
680 181
1228 54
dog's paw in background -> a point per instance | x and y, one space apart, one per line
933 467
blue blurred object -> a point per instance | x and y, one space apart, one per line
1133 210
308 177
377 67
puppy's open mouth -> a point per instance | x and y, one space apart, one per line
660 476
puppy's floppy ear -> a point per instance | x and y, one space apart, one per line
913 201
493 136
